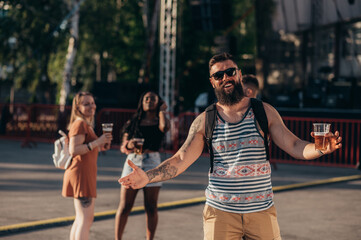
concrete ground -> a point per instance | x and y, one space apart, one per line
30 188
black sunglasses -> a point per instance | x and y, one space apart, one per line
219 75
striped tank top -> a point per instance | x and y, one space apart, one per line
241 178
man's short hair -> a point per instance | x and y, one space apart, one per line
220 58
250 79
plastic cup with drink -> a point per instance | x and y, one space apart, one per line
107 128
321 130
138 145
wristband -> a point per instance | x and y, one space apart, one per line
89 147
320 152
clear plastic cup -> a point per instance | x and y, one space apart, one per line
107 128
320 130
138 145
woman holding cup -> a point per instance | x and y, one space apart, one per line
141 139
80 177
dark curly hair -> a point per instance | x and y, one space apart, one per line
132 125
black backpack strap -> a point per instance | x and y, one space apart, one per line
210 123
261 118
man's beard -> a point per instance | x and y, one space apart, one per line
231 98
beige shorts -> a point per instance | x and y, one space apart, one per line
221 225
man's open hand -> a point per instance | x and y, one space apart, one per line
137 179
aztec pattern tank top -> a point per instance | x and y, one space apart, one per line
241 179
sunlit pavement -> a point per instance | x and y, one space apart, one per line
30 188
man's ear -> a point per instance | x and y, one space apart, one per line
249 92
240 74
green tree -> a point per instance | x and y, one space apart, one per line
112 39
113 43
32 24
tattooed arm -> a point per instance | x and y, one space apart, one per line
186 155
172 167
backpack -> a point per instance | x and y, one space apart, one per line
61 156
211 112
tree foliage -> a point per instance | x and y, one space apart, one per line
32 24
112 41
115 35
111 35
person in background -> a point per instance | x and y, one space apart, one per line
250 85
150 124
239 195
80 177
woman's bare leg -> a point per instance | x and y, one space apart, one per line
150 204
84 216
127 198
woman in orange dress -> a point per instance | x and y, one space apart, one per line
80 177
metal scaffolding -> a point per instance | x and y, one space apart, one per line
167 40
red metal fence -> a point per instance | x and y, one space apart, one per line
33 123
40 123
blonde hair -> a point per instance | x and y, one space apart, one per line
75 113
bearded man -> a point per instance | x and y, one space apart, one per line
239 196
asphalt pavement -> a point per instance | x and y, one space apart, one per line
312 202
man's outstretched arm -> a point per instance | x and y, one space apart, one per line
293 145
172 167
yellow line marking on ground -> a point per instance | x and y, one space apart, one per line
36 223
315 183
182 202
171 204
